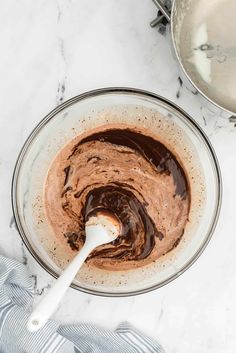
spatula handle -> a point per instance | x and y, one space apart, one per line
49 303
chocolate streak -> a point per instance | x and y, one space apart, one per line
152 150
139 232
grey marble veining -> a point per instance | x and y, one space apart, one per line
51 51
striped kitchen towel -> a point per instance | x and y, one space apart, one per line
16 295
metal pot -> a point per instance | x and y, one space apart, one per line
205 46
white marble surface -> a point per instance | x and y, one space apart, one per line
53 50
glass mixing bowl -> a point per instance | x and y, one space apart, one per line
143 109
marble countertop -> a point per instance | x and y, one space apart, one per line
53 50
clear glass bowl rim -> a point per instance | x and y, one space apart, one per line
76 99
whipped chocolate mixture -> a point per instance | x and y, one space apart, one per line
125 172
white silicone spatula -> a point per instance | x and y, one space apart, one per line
100 229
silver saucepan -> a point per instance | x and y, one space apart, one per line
204 39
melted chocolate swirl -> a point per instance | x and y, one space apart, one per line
131 175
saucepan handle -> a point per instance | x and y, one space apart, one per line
165 13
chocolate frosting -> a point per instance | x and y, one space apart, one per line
129 174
